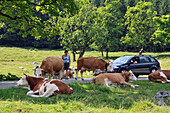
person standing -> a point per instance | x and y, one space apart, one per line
67 61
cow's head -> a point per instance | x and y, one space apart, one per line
110 66
132 77
23 81
72 70
38 72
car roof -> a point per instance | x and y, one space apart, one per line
137 56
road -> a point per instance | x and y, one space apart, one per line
9 84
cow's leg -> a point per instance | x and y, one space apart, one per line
77 74
50 91
30 93
129 84
164 80
107 82
52 74
60 74
82 75
154 79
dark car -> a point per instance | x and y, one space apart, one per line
139 64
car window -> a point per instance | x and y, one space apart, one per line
152 59
122 60
143 59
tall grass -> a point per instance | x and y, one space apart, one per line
11 58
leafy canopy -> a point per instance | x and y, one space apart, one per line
21 14
140 25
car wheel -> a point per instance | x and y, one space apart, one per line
153 70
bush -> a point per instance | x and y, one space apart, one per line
8 77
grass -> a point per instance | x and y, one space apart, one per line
11 58
86 97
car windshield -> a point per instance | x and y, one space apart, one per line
122 60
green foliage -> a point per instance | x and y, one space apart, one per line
109 26
140 26
162 34
8 77
77 32
21 15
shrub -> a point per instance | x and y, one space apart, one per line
8 77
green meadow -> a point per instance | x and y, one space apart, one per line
86 98
11 58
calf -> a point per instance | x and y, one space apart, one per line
43 87
161 76
114 79
69 73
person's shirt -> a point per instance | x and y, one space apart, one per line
66 59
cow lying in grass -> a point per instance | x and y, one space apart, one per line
161 76
42 87
115 79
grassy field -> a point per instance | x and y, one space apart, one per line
11 58
86 97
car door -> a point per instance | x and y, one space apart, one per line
134 66
145 65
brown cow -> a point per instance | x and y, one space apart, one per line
97 65
50 65
161 76
115 79
43 87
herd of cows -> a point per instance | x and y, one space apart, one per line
40 86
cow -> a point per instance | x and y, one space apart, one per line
161 76
69 73
50 66
115 79
97 65
43 87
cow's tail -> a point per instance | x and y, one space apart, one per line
94 81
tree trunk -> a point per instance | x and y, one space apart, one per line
107 53
82 53
74 56
102 52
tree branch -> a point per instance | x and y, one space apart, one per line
12 18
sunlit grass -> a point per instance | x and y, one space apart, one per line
11 58
88 98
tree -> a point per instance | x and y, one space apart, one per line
20 14
162 35
109 26
140 25
77 32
